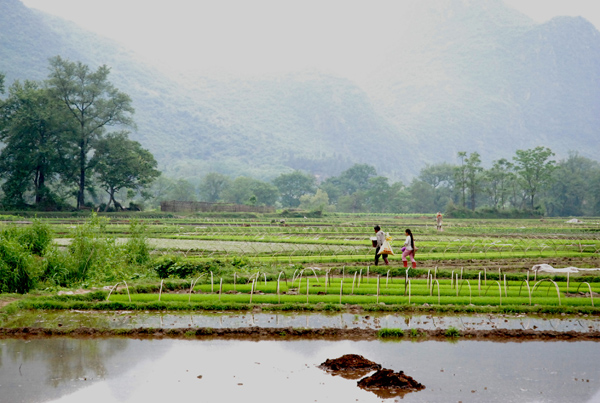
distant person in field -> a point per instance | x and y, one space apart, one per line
409 250
380 239
438 220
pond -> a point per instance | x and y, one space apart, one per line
65 370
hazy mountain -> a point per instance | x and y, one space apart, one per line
465 75
480 77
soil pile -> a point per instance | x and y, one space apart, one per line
350 366
386 383
349 362
387 378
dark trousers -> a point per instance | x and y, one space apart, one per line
383 255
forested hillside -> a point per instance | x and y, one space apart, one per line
476 77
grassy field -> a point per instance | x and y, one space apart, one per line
224 261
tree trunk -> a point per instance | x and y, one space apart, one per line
82 161
40 184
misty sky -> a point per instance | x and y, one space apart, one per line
263 36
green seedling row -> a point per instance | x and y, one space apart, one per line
354 300
441 292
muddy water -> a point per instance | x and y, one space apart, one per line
128 320
129 370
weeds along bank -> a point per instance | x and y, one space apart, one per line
30 260
325 263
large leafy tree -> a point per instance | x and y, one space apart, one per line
93 104
294 185
213 185
121 163
441 179
498 179
35 133
534 169
473 176
571 191
377 194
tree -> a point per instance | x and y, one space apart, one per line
534 170
182 190
441 179
473 178
317 202
399 200
422 198
353 203
254 192
376 195
571 190
460 176
213 185
498 179
294 185
93 103
33 129
120 163
356 178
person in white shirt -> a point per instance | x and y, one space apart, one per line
380 239
409 250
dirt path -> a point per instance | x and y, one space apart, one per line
257 333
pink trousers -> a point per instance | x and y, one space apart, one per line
410 253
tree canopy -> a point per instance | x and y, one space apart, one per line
93 104
120 163
56 143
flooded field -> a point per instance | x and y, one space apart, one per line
129 370
130 320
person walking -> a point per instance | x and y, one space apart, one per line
409 250
380 239
438 221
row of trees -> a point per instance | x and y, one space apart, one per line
57 146
58 149
532 181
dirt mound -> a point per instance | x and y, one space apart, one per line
386 383
349 361
350 366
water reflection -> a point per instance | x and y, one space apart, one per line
120 370
127 320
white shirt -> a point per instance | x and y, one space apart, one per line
407 243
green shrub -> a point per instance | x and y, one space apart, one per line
17 267
173 266
388 332
36 237
95 253
137 250
452 332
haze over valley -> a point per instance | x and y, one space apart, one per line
446 76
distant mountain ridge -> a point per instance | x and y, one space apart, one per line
476 77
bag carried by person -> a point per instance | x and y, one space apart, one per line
386 248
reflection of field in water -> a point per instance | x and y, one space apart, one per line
239 247
130 320
107 370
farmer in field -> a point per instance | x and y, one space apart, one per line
409 250
380 240
438 220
